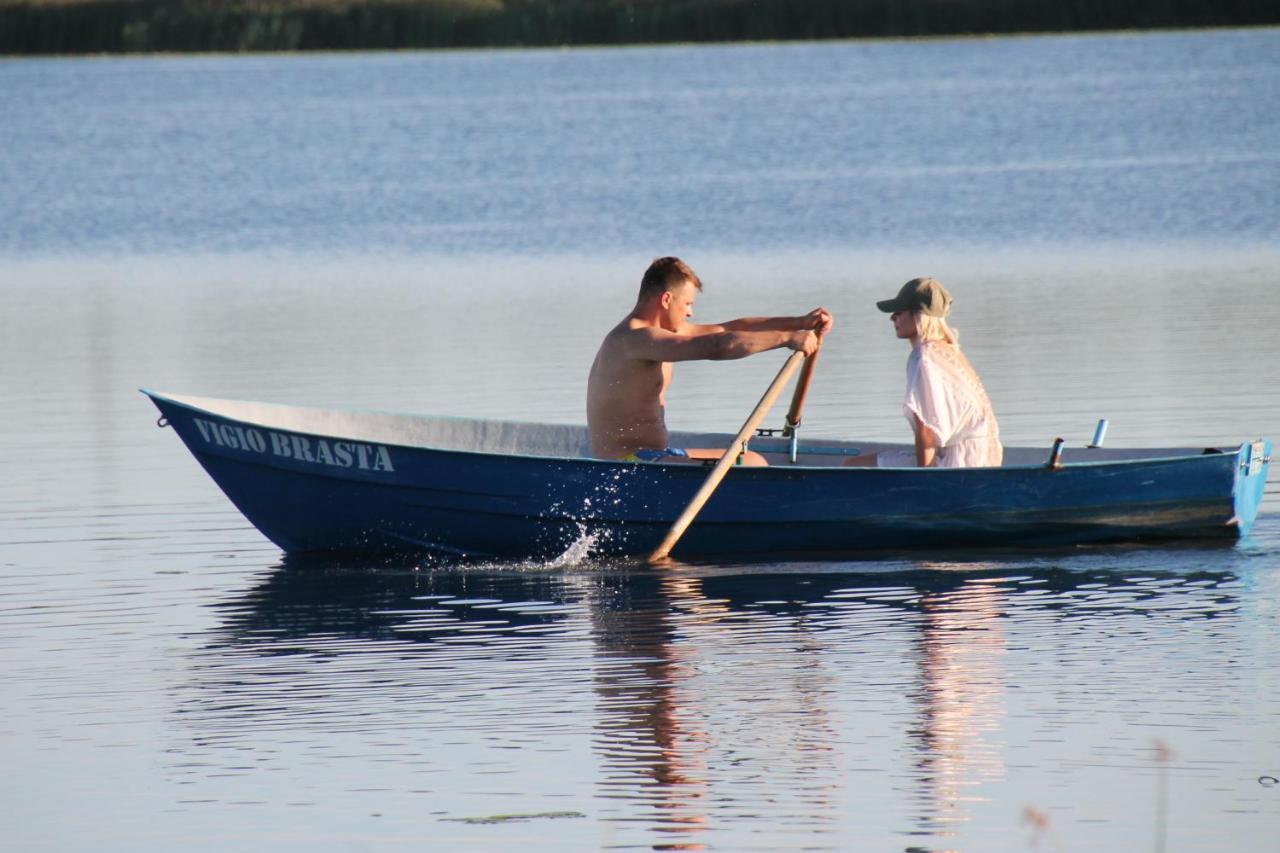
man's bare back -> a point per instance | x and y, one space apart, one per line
626 389
626 398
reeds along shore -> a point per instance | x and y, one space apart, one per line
113 26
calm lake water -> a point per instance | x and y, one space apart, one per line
453 233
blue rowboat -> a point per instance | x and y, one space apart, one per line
315 479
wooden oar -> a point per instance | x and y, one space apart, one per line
801 392
726 462
791 426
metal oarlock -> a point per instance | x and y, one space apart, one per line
791 432
1099 433
1055 456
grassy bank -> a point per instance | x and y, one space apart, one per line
111 26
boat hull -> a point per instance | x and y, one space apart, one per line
310 492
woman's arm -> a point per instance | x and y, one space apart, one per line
926 445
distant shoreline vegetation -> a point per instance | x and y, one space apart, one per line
140 26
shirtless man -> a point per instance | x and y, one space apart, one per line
627 387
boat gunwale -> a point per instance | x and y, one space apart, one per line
670 466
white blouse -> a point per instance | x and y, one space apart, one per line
947 396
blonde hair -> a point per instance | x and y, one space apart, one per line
935 329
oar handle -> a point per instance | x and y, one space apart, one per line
727 460
801 392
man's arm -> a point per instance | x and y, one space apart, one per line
818 320
652 344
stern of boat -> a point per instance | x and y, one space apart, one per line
1253 460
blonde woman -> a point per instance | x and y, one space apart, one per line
946 405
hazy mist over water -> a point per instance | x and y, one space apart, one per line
453 233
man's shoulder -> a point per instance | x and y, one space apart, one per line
622 337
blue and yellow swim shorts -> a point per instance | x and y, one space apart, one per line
645 454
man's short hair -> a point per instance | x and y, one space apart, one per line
667 274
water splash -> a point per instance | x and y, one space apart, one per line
579 550
602 503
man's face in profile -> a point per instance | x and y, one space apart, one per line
678 306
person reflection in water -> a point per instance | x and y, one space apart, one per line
627 386
946 405
684 726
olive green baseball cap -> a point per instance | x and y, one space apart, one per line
926 295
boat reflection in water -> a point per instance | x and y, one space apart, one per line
838 701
